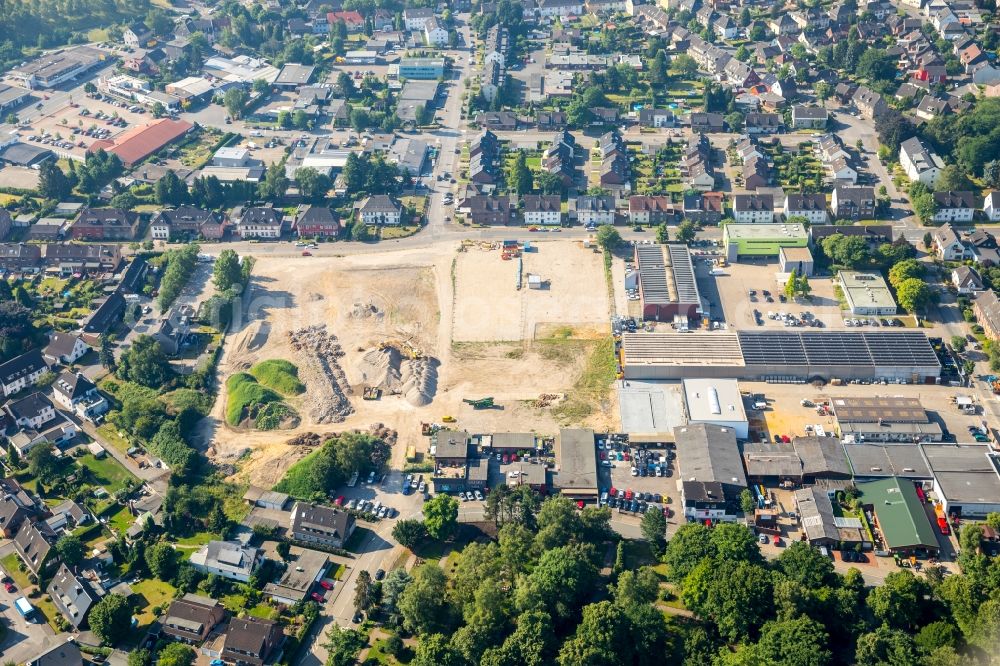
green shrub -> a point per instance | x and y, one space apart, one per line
279 375
271 415
245 397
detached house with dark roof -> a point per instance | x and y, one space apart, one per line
72 596
65 348
954 206
34 548
259 222
250 641
22 371
316 222
77 394
191 618
187 222
380 210
853 203
105 224
313 523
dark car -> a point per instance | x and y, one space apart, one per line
358 617
317 597
380 574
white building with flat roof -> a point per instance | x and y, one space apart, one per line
717 402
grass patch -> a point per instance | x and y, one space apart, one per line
107 472
278 375
246 397
591 389
110 435
120 519
197 540
377 654
402 231
234 603
10 564
262 610
297 481
151 593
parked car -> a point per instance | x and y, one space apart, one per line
380 574
317 597
326 585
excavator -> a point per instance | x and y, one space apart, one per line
481 403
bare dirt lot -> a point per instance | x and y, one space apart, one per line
405 299
489 306
26 179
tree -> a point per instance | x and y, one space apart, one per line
423 603
846 251
274 184
686 231
550 183
658 70
608 237
654 529
905 270
110 618
914 294
422 115
42 463
283 548
559 583
899 601
928 241
747 503
822 90
991 173
144 363
597 638
140 657
924 206
636 588
176 654
435 650
690 545
938 634
235 100
954 179
170 190
441 516
161 559
662 234
801 641
885 647
736 596
683 66
519 179
343 645
896 251
958 343
803 564
409 533
70 549
52 182
313 185
226 272
735 542
363 594
792 285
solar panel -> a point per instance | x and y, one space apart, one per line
772 348
840 349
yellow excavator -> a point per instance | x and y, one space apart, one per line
405 348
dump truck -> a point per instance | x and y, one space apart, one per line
942 520
481 403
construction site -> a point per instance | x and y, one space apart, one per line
418 336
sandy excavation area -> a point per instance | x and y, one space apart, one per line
387 320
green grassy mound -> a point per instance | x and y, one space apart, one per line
246 397
278 375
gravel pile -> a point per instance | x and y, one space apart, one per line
380 367
419 379
322 369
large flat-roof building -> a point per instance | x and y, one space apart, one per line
867 293
718 402
884 419
51 69
804 460
781 355
966 478
874 461
575 475
667 285
761 240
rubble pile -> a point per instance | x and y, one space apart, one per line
322 367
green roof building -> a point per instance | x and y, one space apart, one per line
761 240
899 516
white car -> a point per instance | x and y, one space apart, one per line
635 472
479 496
514 474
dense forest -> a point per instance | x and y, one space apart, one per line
558 587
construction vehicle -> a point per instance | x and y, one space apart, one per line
371 393
942 521
448 419
995 385
481 403
405 348
428 429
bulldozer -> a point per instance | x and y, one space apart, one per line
481 403
447 419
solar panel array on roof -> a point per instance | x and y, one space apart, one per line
842 349
906 348
653 274
772 348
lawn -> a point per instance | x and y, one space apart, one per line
431 551
107 472
279 375
110 434
378 655
120 519
199 539
392 233
234 603
151 593
10 565
265 611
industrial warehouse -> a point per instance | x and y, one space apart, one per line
667 285
785 357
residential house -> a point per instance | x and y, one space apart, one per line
380 209
562 8
869 103
322 525
810 206
173 329
68 515
12 514
616 173
497 121
991 206
947 244
491 210
756 173
983 246
33 544
22 371
61 652
853 203
77 394
931 107
920 162
841 171
986 307
966 280
809 117
187 222
648 210
703 207
542 210
592 211
137 36
192 618
250 641
550 120
415 18
112 224
931 68
753 208
65 348
314 221
707 122
258 222
20 257
651 117
954 206
72 595
435 32
783 25
228 559
762 123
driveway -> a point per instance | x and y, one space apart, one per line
24 639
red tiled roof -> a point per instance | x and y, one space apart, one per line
140 142
350 18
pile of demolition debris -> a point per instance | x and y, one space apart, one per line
324 375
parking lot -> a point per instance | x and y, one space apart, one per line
636 494
83 121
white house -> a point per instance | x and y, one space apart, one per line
380 209
810 206
22 371
954 206
753 208
415 18
920 162
559 8
991 206
595 211
228 559
542 209
966 280
33 411
79 395
947 245
259 222
435 34
65 348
